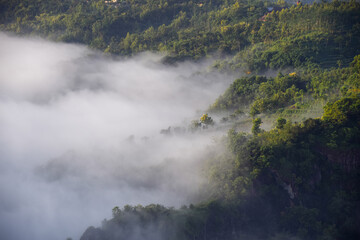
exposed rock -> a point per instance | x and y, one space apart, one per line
348 159
286 186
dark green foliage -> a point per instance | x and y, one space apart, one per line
288 179
304 171
320 34
290 92
256 126
263 94
324 35
240 93
343 111
280 123
300 179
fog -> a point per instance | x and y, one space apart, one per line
80 134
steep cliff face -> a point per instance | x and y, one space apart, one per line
348 160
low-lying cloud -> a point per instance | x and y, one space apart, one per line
80 134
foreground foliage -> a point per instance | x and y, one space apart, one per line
295 181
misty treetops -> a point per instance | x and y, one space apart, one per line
273 155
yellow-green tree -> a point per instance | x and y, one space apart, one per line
205 119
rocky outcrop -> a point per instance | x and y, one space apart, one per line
348 159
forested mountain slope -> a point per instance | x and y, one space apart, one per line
261 34
298 180
291 92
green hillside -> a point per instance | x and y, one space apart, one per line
296 90
295 181
260 34
299 179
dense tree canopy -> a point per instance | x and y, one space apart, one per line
295 180
261 34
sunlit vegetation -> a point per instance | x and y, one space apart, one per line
297 180
260 37
289 93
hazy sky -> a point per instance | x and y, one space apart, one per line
79 134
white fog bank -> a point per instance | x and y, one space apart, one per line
80 134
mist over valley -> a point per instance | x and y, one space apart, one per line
80 134
179 120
